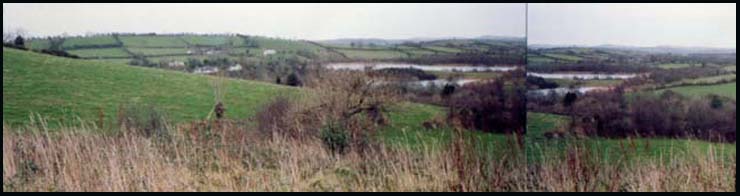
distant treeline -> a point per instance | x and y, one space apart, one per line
403 73
467 58
607 60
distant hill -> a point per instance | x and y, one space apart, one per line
653 49
672 49
388 42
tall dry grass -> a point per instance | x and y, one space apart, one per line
233 159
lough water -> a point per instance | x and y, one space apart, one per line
583 76
445 68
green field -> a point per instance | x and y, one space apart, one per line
711 79
99 52
213 40
726 90
159 51
76 42
38 44
564 57
153 41
538 59
443 49
674 65
417 51
113 61
183 58
371 54
406 130
539 123
569 82
283 44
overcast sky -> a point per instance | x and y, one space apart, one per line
706 25
296 21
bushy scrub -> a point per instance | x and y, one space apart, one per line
335 138
143 119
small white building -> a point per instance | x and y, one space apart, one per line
237 67
176 64
269 52
206 70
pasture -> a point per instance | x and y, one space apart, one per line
726 90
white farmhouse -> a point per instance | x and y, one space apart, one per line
269 52
206 70
236 67
176 64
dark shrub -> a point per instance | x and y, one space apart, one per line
448 90
569 99
403 73
603 114
662 115
489 107
293 80
608 114
20 42
335 138
535 82
219 110
716 102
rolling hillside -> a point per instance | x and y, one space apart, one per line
182 47
63 89
60 88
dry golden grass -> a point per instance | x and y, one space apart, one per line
232 159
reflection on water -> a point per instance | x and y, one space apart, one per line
583 76
563 90
446 68
440 82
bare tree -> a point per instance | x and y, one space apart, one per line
346 94
7 37
11 36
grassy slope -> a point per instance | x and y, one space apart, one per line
62 89
100 52
152 41
88 41
406 130
674 65
159 51
38 44
371 54
59 87
214 40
